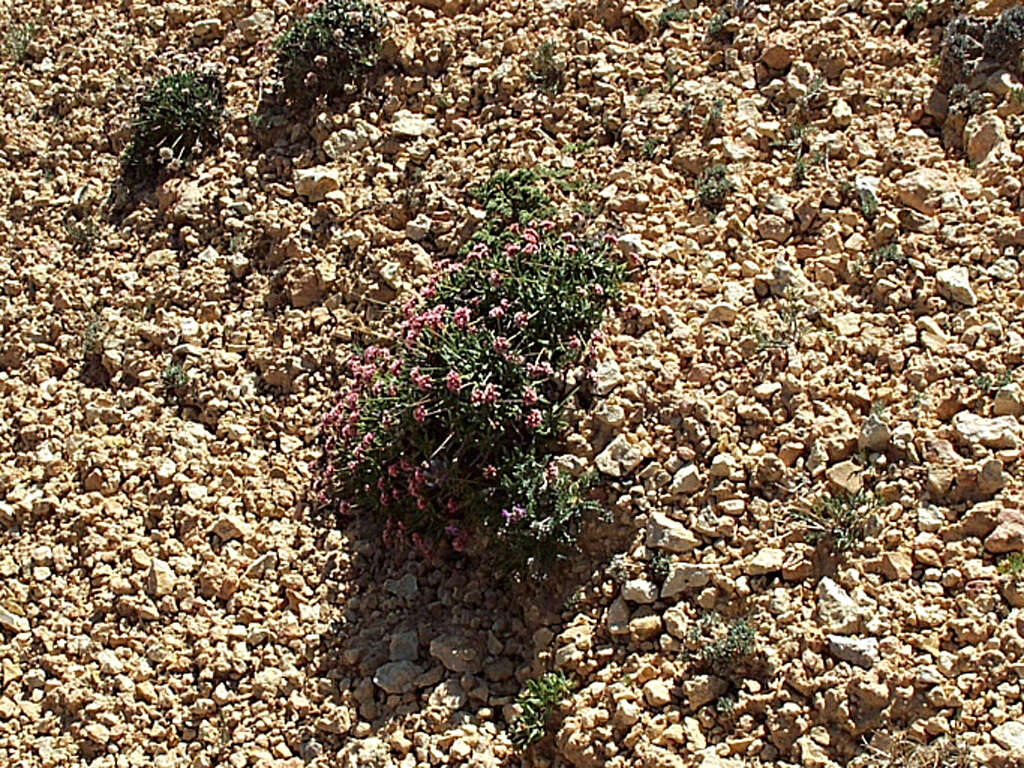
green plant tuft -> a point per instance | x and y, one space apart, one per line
838 519
714 186
449 437
177 119
509 198
537 701
669 14
329 48
174 377
17 40
546 71
723 644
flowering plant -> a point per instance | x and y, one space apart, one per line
448 436
330 47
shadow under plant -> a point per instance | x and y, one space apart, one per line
441 457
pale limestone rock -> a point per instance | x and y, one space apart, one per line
407 125
639 591
767 560
1010 735
862 651
316 184
455 653
619 458
923 189
232 527
685 481
665 533
955 285
997 432
160 580
12 622
836 609
397 676
684 576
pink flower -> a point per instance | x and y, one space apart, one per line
521 319
495 277
419 413
490 472
421 381
529 396
500 344
453 381
489 395
461 318
533 419
496 312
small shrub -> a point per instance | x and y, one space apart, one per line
177 119
960 50
92 338
713 187
536 702
722 644
716 27
868 202
329 48
579 147
448 438
82 234
659 566
174 377
1004 39
713 121
988 385
669 14
901 751
509 198
17 40
1012 566
838 519
546 71
915 13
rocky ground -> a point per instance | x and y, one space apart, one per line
166 597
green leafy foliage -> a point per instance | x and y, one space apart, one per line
722 644
329 48
714 186
669 14
659 566
536 702
838 519
449 437
17 40
716 27
177 119
174 377
546 70
1012 566
509 198
1004 39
